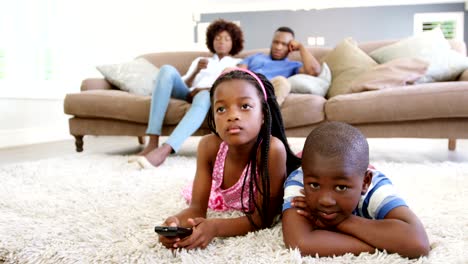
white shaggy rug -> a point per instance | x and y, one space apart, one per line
98 208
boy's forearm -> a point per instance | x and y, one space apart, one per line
328 243
299 233
393 235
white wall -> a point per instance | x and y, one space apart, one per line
87 33
81 34
216 6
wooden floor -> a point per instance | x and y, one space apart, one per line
396 150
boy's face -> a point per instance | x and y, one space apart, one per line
332 188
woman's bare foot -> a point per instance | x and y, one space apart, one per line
157 156
152 145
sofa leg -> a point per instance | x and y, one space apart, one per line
452 144
79 143
142 140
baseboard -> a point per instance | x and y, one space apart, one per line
34 135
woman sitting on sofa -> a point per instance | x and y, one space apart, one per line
224 39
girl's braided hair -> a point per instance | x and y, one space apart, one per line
272 126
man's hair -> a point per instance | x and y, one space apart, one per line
338 140
232 29
285 29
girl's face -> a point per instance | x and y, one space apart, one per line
222 43
237 112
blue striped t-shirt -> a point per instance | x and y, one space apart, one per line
380 198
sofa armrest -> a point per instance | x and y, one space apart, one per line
96 84
464 76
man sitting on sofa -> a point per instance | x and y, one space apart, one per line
277 67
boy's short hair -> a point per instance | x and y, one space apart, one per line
338 139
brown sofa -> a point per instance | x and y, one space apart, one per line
432 110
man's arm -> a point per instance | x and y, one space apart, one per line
310 65
400 232
298 232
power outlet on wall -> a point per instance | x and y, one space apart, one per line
320 41
311 41
316 41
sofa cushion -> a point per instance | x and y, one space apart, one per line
346 62
302 110
418 102
120 105
137 76
305 83
398 72
445 64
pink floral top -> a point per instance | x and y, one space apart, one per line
220 199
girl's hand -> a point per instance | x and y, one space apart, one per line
169 242
203 233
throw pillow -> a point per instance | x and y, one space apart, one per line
445 64
398 72
346 61
137 76
305 83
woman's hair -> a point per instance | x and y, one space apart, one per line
232 29
272 126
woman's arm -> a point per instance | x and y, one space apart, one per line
197 65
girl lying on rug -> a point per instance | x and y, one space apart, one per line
242 166
335 204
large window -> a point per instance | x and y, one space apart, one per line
29 48
451 23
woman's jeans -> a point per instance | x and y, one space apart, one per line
169 84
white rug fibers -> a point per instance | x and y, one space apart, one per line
98 208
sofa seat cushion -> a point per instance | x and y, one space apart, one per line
119 105
302 110
418 102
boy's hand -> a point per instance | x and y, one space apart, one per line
299 202
169 242
203 233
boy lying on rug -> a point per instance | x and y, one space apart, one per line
335 204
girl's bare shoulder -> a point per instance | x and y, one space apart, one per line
209 145
276 145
